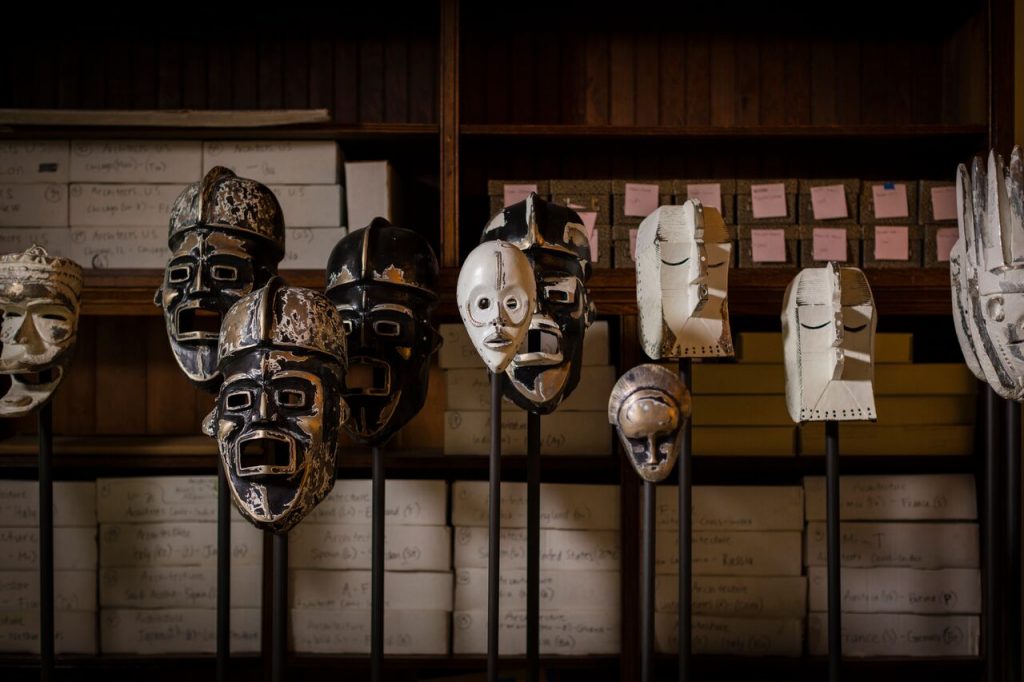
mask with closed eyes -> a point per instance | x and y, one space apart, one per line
682 279
226 238
39 300
546 367
383 280
828 335
649 406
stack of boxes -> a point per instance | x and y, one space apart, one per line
632 201
828 222
329 559
937 215
74 560
158 568
909 558
579 569
749 595
579 426
34 196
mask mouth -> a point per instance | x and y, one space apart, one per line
545 335
196 324
264 452
367 376
498 340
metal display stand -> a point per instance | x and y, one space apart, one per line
377 569
993 594
835 616
223 576
647 585
1013 544
279 623
46 628
494 528
532 547
685 630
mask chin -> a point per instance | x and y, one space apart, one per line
29 390
198 361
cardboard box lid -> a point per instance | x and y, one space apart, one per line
743 186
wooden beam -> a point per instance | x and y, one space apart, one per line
449 118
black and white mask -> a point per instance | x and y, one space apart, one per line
226 237
280 408
383 280
547 367
39 300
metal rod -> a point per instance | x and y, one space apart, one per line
993 594
494 529
377 570
1013 544
685 464
533 547
835 615
647 585
223 577
280 608
46 629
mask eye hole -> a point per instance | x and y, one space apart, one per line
12 314
995 308
56 317
511 303
239 400
387 328
291 398
557 295
348 326
224 273
178 274
483 303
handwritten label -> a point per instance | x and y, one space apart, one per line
56 240
175 631
567 550
828 202
769 201
829 243
309 205
768 246
74 549
945 238
134 162
308 248
175 544
122 205
892 242
641 200
890 200
74 631
562 633
944 203
74 504
347 631
775 553
516 193
407 502
292 162
347 546
103 248
35 161
34 205
565 590
913 545
565 506
708 193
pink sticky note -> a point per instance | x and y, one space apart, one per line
769 201
829 243
708 193
516 193
892 242
641 200
944 203
632 244
890 200
945 238
589 218
768 246
828 202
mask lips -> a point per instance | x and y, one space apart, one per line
365 367
194 322
546 335
265 452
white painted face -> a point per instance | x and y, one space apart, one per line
496 295
682 261
828 329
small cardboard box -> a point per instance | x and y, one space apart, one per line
869 213
518 190
701 188
790 234
310 205
284 162
34 205
601 246
34 161
915 244
745 202
585 196
118 248
371 191
134 206
624 246
56 240
851 197
307 248
619 216
938 239
808 235
137 161
936 202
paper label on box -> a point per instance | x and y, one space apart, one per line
561 633
158 498
828 202
944 203
133 206
914 497
412 632
890 200
768 246
713 635
945 238
562 590
136 161
708 193
769 201
560 550
74 504
137 545
829 243
892 242
632 243
516 193
589 219
175 631
109 248
641 200
73 590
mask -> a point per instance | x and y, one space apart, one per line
648 407
682 280
383 280
496 295
39 298
963 276
828 335
993 211
280 407
546 369
226 238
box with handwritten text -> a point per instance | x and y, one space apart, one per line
718 193
504 193
824 201
893 246
888 202
768 246
771 201
821 244
936 202
29 161
634 200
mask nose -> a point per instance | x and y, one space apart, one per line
28 336
266 410
198 284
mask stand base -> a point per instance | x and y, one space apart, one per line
647 585
685 635
494 528
223 576
1013 548
993 594
532 547
279 624
835 632
46 628
377 569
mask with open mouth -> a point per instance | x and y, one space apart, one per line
383 280
828 335
546 368
226 237
649 406
39 299
682 278
279 411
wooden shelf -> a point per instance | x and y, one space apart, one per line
330 131
603 132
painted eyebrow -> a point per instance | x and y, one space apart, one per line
823 324
393 307
717 265
855 329
676 263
